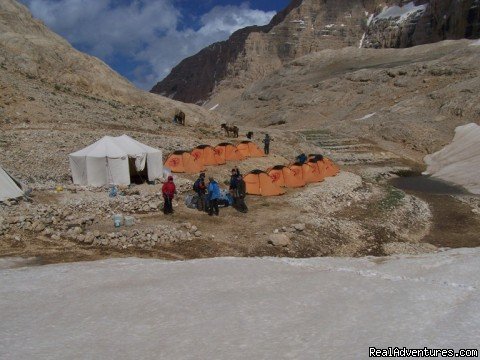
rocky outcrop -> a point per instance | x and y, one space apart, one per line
251 53
423 22
308 26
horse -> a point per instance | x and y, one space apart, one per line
179 117
230 129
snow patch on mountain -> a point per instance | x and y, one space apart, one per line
401 13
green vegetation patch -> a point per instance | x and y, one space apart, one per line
392 199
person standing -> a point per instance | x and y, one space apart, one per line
201 189
233 183
266 144
240 195
168 192
213 196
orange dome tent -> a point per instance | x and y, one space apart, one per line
276 174
220 155
325 164
330 168
184 162
250 149
259 182
206 154
286 177
227 152
311 172
297 173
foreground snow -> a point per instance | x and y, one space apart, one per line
239 308
459 162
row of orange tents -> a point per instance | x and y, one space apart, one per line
274 181
194 161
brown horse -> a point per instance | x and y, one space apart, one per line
179 117
230 129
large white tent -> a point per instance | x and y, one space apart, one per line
111 160
8 188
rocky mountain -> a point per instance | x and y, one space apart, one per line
55 99
406 100
308 26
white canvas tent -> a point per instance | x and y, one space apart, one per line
110 160
8 187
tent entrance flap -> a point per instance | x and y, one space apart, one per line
137 176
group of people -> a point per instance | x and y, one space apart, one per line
209 195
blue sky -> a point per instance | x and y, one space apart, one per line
144 39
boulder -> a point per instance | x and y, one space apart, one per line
38 226
280 240
77 230
299 227
89 238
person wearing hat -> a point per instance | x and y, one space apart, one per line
201 189
168 192
213 196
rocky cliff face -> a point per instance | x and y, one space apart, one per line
423 22
308 26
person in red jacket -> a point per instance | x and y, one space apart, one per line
168 191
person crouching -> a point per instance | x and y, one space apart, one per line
168 192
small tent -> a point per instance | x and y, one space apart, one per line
297 173
184 162
115 160
330 168
227 152
311 172
206 154
259 182
325 164
285 177
250 149
9 188
220 155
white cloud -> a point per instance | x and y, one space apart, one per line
142 31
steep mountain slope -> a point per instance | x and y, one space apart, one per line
411 98
55 99
308 26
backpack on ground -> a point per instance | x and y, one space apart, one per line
191 201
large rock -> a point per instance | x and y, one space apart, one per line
280 240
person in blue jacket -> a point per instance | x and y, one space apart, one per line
213 196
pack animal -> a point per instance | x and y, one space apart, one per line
230 129
179 117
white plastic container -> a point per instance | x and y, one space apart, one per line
117 220
129 221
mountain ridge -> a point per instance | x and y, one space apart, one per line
307 26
